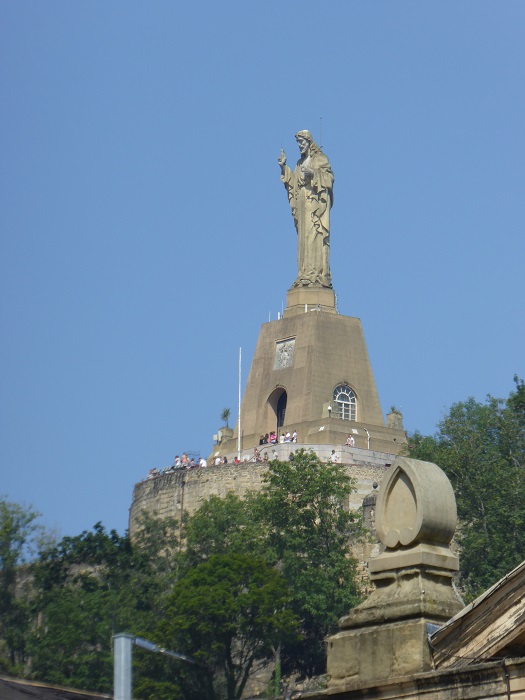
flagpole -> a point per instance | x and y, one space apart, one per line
239 420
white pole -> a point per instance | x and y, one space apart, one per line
122 666
239 420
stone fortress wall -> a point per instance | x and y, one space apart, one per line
175 493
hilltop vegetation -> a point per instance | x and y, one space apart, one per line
257 580
481 448
243 583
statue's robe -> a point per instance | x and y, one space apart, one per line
310 200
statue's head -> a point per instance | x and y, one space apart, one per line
306 143
304 139
304 134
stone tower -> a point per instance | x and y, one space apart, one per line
311 372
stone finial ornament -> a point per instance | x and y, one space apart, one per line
386 635
415 517
415 505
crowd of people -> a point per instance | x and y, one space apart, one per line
271 438
180 463
183 462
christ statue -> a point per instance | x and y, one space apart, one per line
310 195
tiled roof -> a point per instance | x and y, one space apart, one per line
16 689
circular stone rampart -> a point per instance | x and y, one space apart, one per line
175 493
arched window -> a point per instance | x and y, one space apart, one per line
345 402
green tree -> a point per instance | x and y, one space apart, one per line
516 400
481 447
229 612
92 586
300 524
72 645
225 525
305 505
252 572
225 415
18 530
156 552
83 599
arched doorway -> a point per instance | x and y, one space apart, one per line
277 404
281 410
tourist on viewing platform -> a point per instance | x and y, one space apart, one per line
287 437
256 455
261 440
225 460
294 436
265 456
334 458
291 457
282 439
350 441
184 460
266 439
202 462
176 461
273 438
217 461
275 455
236 460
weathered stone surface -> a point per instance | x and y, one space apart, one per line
300 300
414 592
378 652
169 495
501 680
394 420
328 350
416 505
386 636
309 189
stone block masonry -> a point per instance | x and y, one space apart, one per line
171 495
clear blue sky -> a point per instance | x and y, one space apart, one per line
146 236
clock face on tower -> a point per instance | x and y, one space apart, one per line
284 351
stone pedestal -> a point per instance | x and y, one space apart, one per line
303 299
378 653
387 635
298 362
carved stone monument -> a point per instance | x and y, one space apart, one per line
387 635
310 195
311 372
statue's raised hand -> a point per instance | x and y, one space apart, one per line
282 159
